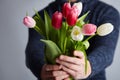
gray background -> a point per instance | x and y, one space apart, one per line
13 39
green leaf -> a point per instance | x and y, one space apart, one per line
38 30
52 51
47 24
80 21
39 23
36 12
82 18
51 32
63 37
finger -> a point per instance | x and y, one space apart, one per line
58 77
79 54
69 59
61 77
69 65
51 74
69 71
59 73
52 67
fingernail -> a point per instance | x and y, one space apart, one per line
75 53
61 57
60 66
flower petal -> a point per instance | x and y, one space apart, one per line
89 29
105 29
29 22
78 7
76 34
57 20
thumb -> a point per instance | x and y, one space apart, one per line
79 54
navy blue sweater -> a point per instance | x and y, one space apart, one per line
101 52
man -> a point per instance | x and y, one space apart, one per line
100 54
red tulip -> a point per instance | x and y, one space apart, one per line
89 29
57 20
72 18
66 9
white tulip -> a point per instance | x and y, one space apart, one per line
79 7
105 29
76 34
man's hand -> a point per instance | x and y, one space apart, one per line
75 66
53 72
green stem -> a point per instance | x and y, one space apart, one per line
38 30
86 65
89 37
85 53
65 42
76 44
81 48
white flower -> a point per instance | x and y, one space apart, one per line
76 34
105 29
78 6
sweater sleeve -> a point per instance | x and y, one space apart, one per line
35 48
102 49
35 53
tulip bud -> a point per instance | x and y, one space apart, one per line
57 20
72 18
89 29
77 7
105 29
29 22
66 9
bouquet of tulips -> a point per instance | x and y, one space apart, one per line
65 32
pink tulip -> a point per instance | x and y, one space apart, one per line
29 22
72 18
66 9
57 20
89 29
77 7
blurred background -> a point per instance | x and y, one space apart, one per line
14 35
